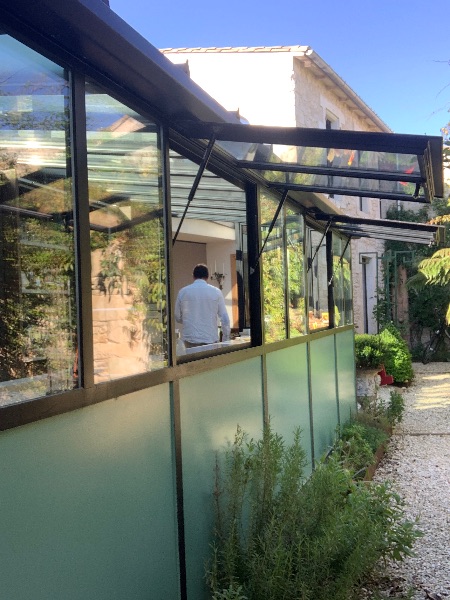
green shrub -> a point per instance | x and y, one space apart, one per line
375 437
376 413
369 351
371 433
358 441
279 535
397 360
230 593
395 408
354 450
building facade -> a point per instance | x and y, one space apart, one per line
112 186
293 86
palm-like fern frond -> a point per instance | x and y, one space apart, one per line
417 281
436 269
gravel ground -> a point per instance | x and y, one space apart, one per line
418 463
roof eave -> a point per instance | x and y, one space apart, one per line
311 57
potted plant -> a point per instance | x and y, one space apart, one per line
369 358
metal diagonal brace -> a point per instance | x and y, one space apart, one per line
195 185
272 225
319 245
339 262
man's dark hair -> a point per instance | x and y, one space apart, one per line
201 272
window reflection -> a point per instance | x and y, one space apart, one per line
127 239
294 242
318 315
338 288
211 230
273 265
37 291
342 281
347 285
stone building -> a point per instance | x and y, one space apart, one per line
114 167
292 86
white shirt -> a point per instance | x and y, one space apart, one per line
198 306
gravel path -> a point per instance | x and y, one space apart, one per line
418 463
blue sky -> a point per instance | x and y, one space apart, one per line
395 54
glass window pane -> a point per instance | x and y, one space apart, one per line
366 171
318 316
211 231
37 292
127 239
347 284
338 281
342 282
314 156
294 241
273 265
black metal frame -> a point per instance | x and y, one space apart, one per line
82 228
428 150
90 40
419 233
88 393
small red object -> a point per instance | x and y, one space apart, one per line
385 378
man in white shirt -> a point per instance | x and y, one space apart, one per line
198 307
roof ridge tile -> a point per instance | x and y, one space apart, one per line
211 49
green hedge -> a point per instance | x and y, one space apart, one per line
369 351
397 357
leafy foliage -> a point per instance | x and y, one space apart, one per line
354 449
366 431
382 415
428 299
436 269
397 359
37 294
395 408
230 593
279 535
369 351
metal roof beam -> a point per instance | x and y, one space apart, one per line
332 171
347 192
201 168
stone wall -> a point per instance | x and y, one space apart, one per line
122 342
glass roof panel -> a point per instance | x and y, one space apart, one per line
336 158
385 229
215 198
334 170
351 186
371 164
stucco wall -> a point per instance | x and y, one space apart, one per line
259 85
